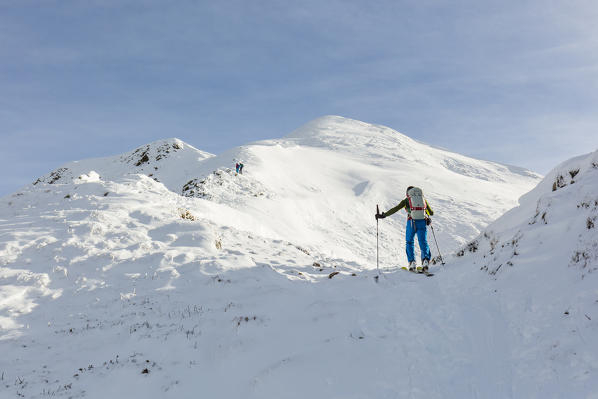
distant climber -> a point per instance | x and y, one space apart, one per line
418 210
237 167
241 167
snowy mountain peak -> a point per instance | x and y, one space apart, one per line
161 150
339 132
154 152
383 143
168 161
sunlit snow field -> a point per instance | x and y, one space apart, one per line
163 273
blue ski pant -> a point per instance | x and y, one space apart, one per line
419 227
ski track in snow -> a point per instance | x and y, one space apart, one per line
107 271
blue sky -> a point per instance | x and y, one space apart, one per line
509 81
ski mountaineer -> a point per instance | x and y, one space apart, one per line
418 210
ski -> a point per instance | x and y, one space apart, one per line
427 274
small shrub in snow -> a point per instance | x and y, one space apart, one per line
436 259
305 251
245 319
185 214
558 183
194 188
560 180
539 210
220 279
585 259
493 243
471 247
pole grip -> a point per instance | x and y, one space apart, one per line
377 210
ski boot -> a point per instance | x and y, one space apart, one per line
412 265
425 264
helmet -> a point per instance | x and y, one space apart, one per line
408 188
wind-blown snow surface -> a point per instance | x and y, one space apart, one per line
217 285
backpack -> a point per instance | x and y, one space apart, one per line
417 203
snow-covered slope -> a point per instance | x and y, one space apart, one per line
555 224
318 187
542 257
164 260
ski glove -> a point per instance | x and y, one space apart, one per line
428 221
380 216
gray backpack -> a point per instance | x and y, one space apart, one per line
417 203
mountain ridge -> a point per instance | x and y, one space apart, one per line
313 132
314 171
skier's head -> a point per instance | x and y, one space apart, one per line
408 188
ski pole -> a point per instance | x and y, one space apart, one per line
434 235
377 262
